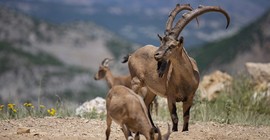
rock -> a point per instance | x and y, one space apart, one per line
36 134
211 85
260 72
23 130
98 104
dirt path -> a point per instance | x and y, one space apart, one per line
83 129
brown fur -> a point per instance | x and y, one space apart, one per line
105 72
129 111
172 85
180 79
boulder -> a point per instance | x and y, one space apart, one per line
98 104
260 72
213 84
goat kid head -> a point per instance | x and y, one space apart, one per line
170 42
103 68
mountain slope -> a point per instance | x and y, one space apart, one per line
140 20
77 43
47 61
27 77
252 43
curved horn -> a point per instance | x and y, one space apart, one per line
187 17
172 15
105 62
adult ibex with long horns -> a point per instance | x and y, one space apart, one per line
177 77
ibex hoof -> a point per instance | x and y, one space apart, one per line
174 129
184 130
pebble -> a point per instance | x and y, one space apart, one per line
23 130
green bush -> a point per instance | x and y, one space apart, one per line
236 105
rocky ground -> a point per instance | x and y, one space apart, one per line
80 129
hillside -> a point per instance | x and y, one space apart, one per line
50 62
140 20
250 44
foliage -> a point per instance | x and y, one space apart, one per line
94 115
236 105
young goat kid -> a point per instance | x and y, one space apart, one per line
105 72
128 110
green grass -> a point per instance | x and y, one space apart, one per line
236 105
21 111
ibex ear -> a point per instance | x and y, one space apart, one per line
160 38
181 40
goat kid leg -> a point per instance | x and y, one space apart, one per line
186 109
108 130
126 132
174 117
137 136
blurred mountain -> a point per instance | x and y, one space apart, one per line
56 54
47 61
250 44
140 20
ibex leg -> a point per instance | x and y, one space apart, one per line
174 117
186 109
108 130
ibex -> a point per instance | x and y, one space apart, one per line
105 72
127 109
178 76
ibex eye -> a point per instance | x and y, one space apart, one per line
171 46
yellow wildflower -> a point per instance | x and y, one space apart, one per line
51 111
41 106
14 110
11 106
1 107
28 105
